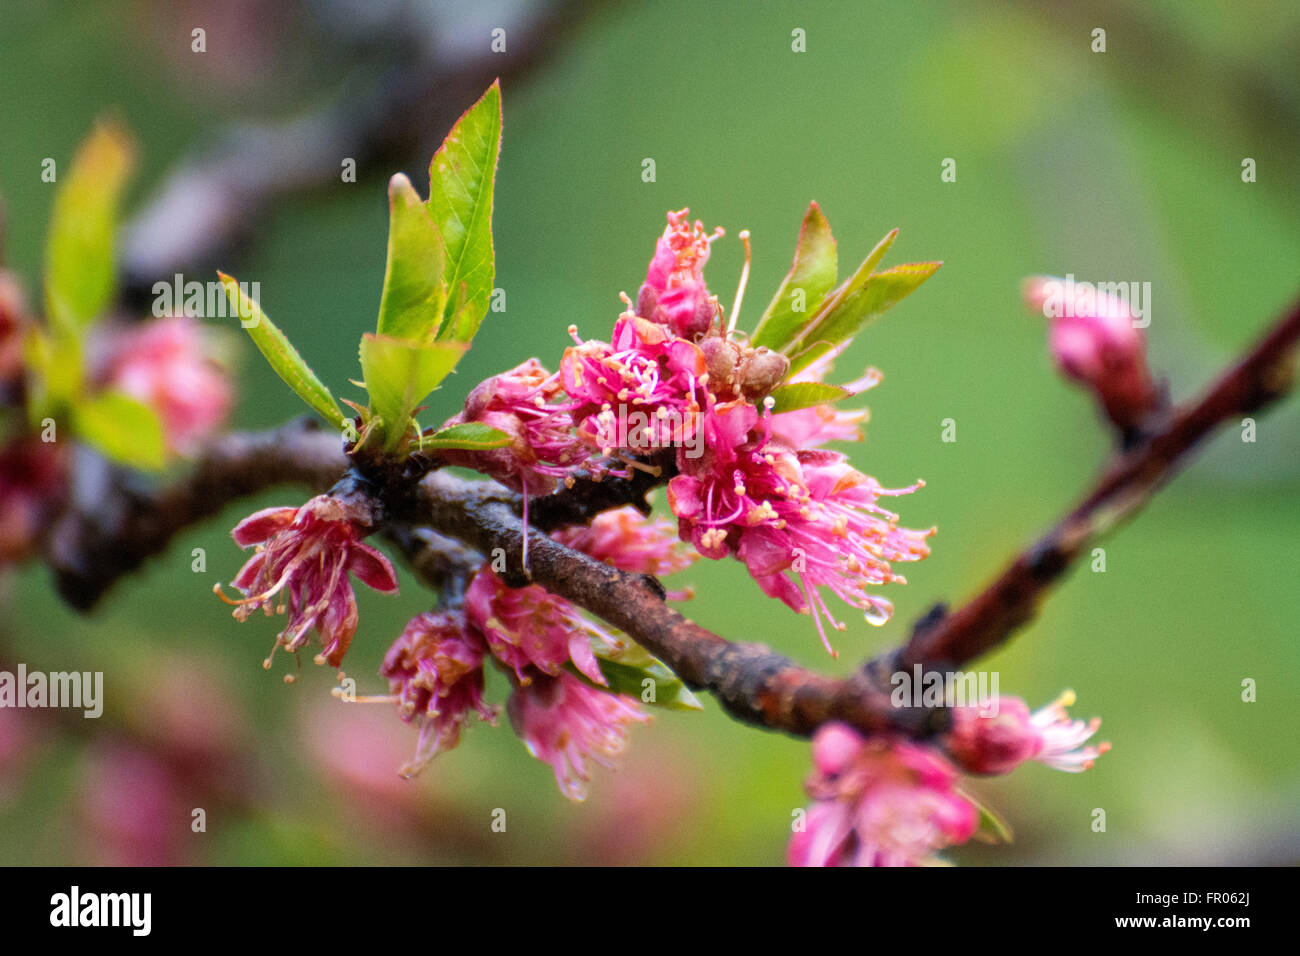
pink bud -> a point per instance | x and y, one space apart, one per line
1094 341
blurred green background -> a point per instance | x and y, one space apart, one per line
1123 165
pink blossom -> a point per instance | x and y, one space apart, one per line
520 403
436 671
643 369
570 724
799 520
301 566
167 365
530 629
629 541
1093 340
674 293
32 479
13 321
1000 743
879 802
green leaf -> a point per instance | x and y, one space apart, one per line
797 395
844 316
126 430
669 691
627 665
812 274
281 354
991 827
474 436
461 179
415 290
399 374
79 268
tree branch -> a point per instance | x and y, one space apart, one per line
113 523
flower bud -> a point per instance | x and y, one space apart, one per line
1094 341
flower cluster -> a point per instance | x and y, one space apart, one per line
885 801
560 704
750 484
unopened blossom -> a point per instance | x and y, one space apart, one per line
571 725
435 670
522 403
879 802
1000 743
800 520
531 630
168 364
1094 341
32 480
304 556
674 293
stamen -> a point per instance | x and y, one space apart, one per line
740 290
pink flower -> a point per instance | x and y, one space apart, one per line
304 556
32 479
674 293
543 449
167 365
569 725
13 321
879 802
799 520
645 372
1094 341
629 541
998 744
530 629
436 671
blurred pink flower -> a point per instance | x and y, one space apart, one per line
132 809
167 364
569 724
1000 743
1093 340
879 802
32 478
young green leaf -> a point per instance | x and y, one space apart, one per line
124 429
847 315
797 395
281 354
472 436
801 293
399 374
79 268
461 180
415 290
991 827
626 678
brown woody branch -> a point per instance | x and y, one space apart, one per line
754 683
113 523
